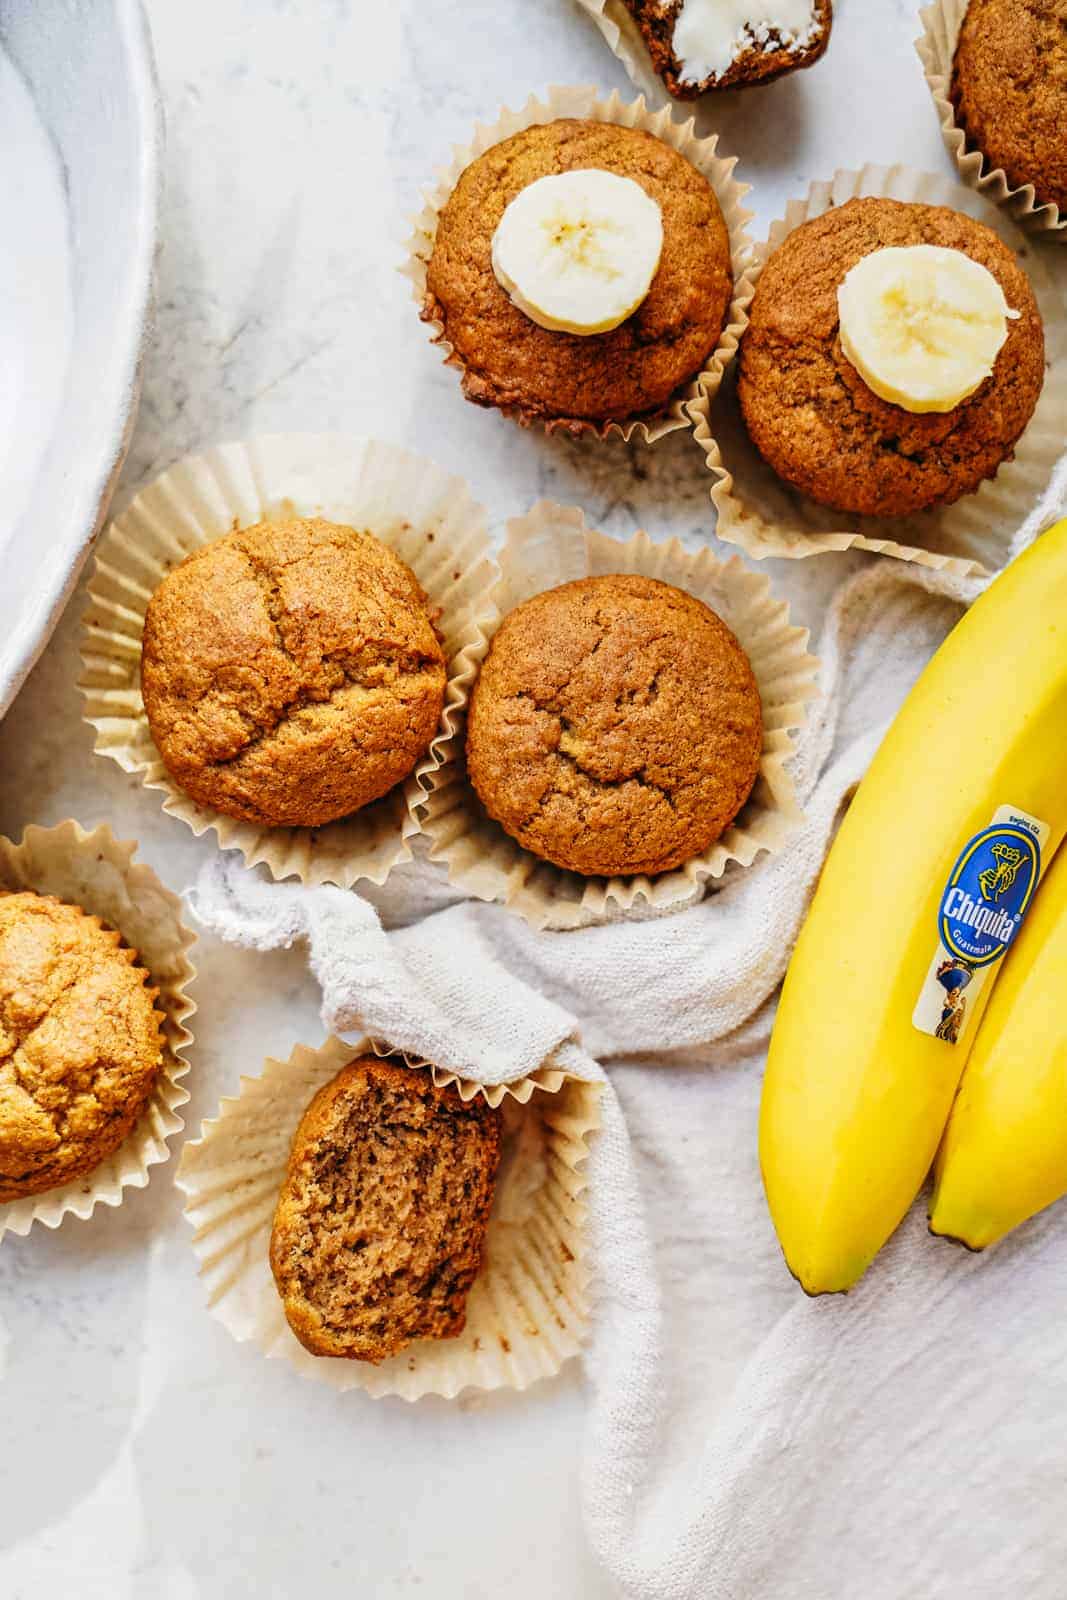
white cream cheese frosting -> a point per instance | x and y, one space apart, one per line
709 35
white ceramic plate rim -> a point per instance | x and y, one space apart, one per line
71 543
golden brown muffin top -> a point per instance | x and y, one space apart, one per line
381 1220
656 20
511 362
80 1042
291 672
1009 87
810 414
615 727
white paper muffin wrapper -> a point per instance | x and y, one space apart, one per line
527 1311
762 514
551 545
423 513
97 872
702 153
937 52
624 39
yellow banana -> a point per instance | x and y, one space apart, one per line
856 1096
1004 1153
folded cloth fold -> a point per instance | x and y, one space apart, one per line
741 1441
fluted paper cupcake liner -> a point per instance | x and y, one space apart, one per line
97 872
551 545
937 51
588 104
422 513
527 1311
624 40
762 514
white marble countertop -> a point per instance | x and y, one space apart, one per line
145 1455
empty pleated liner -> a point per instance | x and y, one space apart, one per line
551 545
937 51
763 515
424 514
527 1311
702 152
98 872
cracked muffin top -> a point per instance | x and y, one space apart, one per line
380 1225
1009 88
566 379
80 1043
810 414
291 672
615 727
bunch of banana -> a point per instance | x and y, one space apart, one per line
929 881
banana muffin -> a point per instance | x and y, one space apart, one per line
697 45
813 417
81 1043
615 727
291 672
1009 90
380 1225
576 380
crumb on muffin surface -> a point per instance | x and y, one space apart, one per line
380 1224
291 672
509 361
80 1043
615 727
809 412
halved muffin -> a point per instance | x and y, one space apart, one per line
380 1224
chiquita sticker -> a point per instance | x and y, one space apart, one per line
982 907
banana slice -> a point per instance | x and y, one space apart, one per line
577 251
922 325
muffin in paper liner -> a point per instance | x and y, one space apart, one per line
586 103
421 512
937 51
527 1312
97 872
553 544
626 42
762 514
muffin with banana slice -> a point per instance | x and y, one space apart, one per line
581 273
893 358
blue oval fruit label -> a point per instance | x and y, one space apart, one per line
981 910
988 893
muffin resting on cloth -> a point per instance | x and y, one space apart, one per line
80 1043
811 415
537 373
615 727
380 1224
765 52
291 672
1009 89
